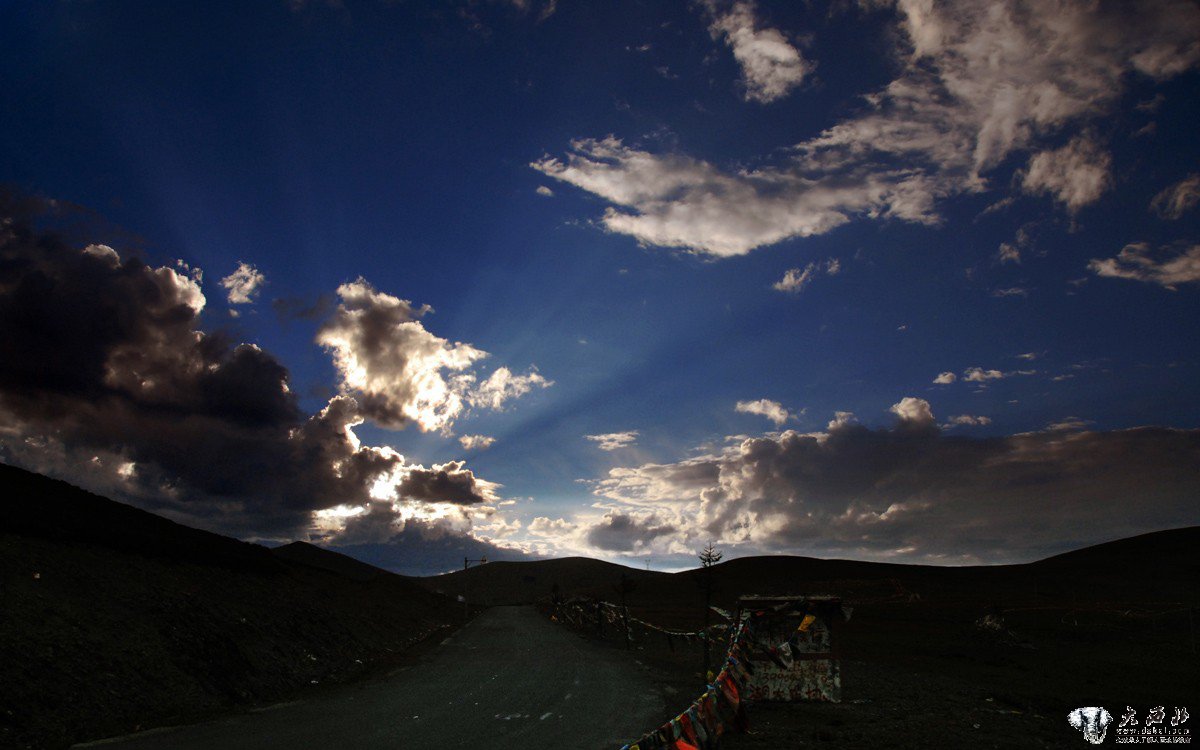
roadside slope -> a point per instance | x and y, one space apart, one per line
114 618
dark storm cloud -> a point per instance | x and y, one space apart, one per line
106 379
449 483
915 492
619 532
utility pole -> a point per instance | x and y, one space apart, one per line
463 596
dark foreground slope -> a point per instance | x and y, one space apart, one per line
113 618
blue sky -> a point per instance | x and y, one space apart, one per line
716 225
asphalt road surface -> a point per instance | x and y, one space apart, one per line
509 679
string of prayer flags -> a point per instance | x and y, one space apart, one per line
719 709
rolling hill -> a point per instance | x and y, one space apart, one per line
1163 565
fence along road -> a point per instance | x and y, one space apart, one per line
509 679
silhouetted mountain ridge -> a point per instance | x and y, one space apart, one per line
1153 564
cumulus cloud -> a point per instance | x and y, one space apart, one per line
476 442
795 279
624 532
772 410
611 441
841 419
908 494
979 81
451 482
914 411
545 192
1075 175
555 529
1176 200
400 373
1168 267
243 284
945 378
771 66
396 368
106 380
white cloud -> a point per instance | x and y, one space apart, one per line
763 407
1076 174
502 386
1012 291
1137 262
913 410
771 65
243 284
1176 200
555 528
399 372
545 192
1009 253
979 80
967 419
795 280
678 201
841 419
611 441
476 442
979 375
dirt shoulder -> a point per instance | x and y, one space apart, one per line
925 673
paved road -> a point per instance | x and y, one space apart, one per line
509 679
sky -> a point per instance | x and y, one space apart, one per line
909 281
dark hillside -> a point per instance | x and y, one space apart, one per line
43 508
527 582
310 555
1163 565
113 618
